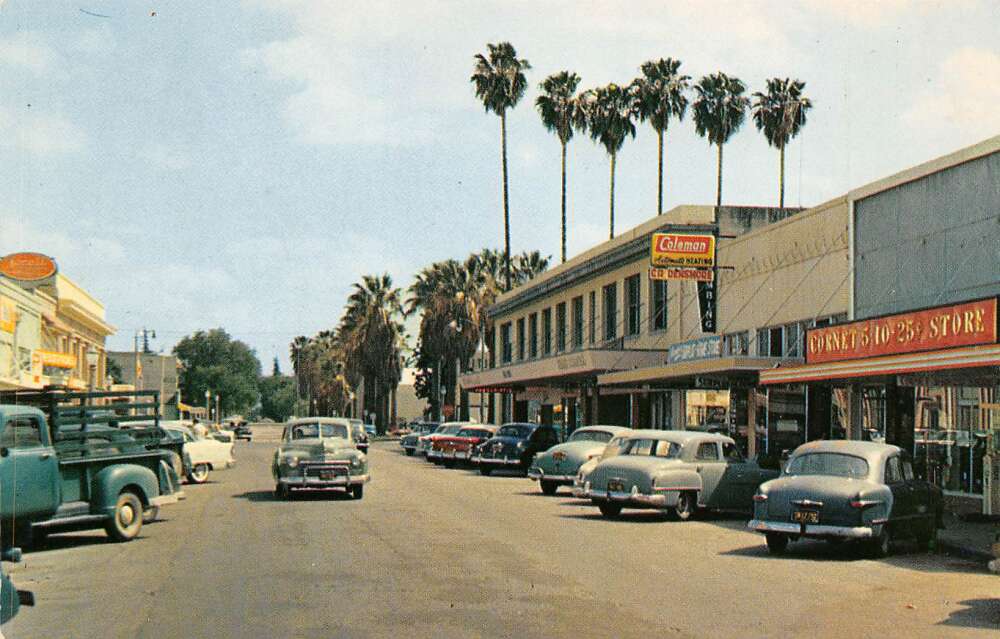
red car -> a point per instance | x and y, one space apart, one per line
458 447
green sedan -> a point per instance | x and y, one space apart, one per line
558 465
318 453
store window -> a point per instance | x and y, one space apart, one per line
793 340
561 327
658 304
520 339
505 344
547 331
763 342
592 326
633 290
950 436
611 311
533 335
578 322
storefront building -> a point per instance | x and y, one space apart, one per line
920 364
20 335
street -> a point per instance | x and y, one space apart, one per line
436 552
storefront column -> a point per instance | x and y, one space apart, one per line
855 419
678 409
751 423
595 407
899 408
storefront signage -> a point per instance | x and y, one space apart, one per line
702 348
28 268
56 360
951 326
8 315
707 305
683 250
690 274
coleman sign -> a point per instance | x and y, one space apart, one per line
696 274
681 250
951 326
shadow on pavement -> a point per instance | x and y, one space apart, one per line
68 540
308 495
630 517
978 613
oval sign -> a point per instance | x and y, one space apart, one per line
27 267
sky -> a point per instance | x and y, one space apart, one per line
241 164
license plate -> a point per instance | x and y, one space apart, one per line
805 516
616 486
328 474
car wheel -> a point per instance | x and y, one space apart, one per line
485 470
281 491
881 545
126 521
198 474
548 487
357 492
409 452
927 535
609 509
687 503
449 463
777 543
150 514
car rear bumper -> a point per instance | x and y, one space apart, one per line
500 461
536 473
317 483
813 530
632 499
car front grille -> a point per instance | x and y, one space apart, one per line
316 469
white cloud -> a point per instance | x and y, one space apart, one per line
27 50
21 234
962 96
41 133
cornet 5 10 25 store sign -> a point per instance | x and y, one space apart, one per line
966 324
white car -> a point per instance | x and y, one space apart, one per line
206 454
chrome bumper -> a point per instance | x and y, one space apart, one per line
505 461
646 501
813 530
536 473
316 482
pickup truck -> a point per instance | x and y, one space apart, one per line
69 461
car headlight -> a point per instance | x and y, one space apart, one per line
292 462
520 445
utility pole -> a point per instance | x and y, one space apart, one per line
137 370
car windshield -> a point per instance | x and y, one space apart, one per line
590 436
834 464
306 431
518 432
473 432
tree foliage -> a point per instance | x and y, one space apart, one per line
277 397
213 361
780 114
661 95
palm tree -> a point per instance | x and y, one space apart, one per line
500 84
780 114
719 110
608 113
660 96
558 107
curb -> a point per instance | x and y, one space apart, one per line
965 552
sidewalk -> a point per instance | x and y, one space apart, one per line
972 538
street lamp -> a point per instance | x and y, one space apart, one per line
92 359
208 405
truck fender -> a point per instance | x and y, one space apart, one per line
169 480
109 482
681 479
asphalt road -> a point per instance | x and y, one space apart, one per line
431 552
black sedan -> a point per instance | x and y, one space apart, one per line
514 446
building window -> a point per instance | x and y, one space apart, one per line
658 305
776 341
578 322
561 326
505 345
611 311
737 343
593 318
533 335
793 340
633 289
547 331
520 339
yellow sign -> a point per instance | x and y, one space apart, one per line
8 315
691 274
56 360
682 250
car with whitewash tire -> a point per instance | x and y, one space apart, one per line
559 465
842 490
425 443
205 454
410 440
514 446
319 453
611 449
680 471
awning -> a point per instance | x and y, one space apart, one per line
735 369
56 360
975 361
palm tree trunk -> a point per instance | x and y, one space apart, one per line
611 232
395 407
506 209
564 202
781 177
659 182
718 183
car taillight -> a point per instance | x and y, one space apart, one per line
861 504
759 497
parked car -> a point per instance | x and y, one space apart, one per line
558 465
611 449
204 454
11 599
458 447
242 431
318 453
425 444
410 440
360 435
515 445
371 430
678 470
847 490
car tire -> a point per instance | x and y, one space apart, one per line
687 505
485 470
548 487
880 546
927 535
281 492
199 474
610 510
126 521
409 452
776 543
358 492
449 463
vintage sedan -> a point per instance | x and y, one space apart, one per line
611 449
514 446
558 465
458 448
204 454
410 440
847 490
318 453
677 470
426 442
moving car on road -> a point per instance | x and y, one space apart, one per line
318 453
205 454
679 470
458 447
514 446
410 440
847 490
242 431
558 465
